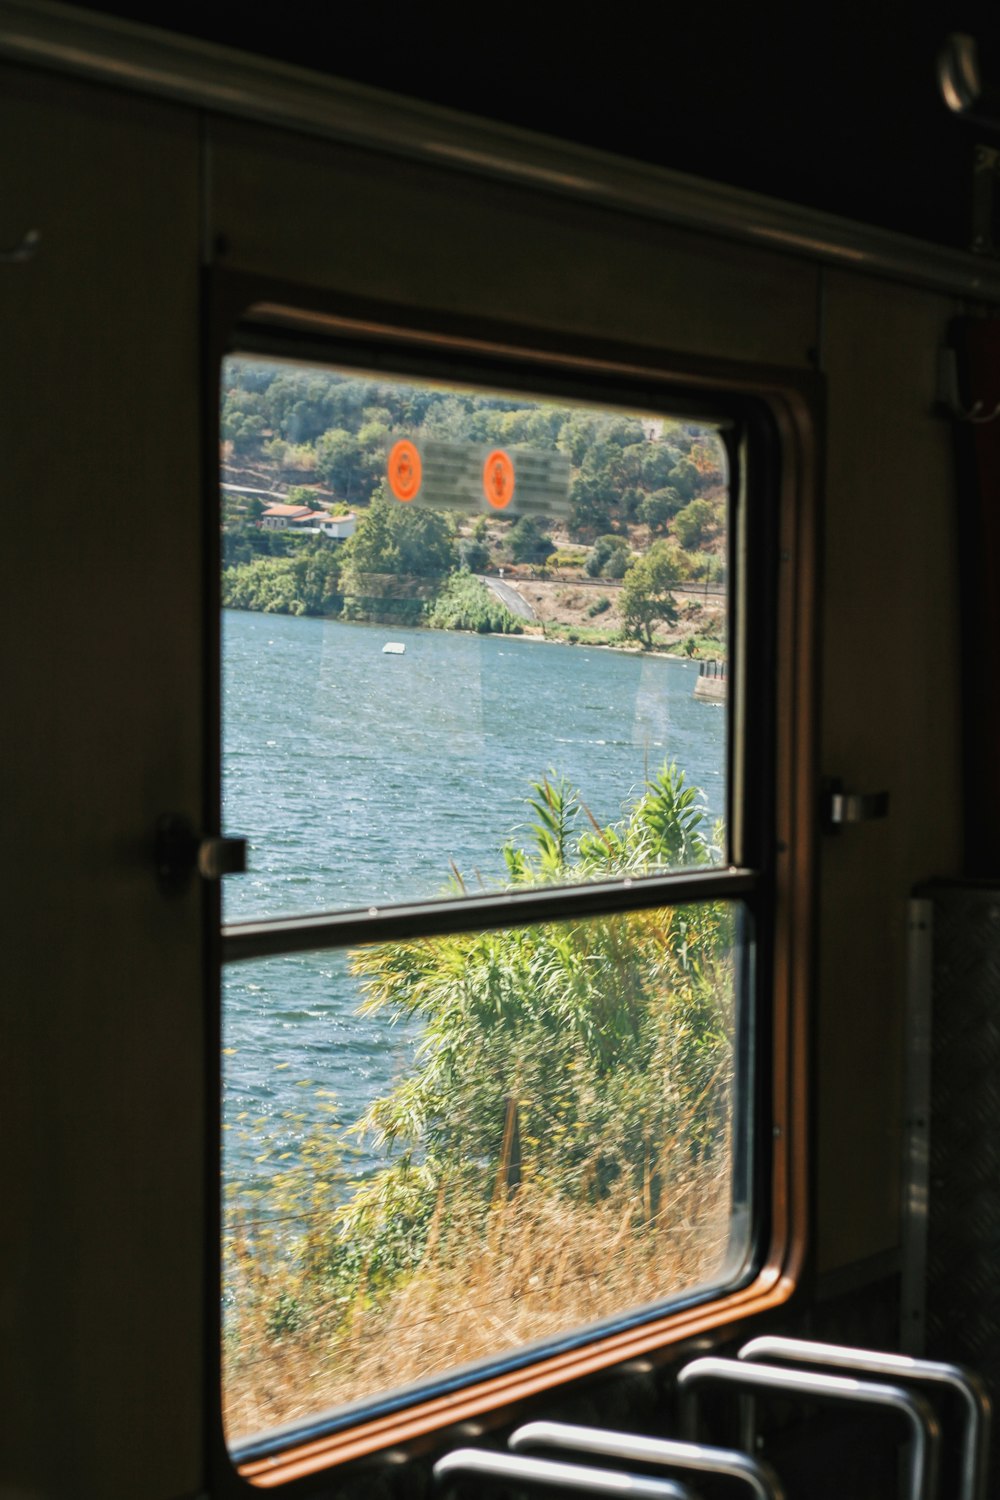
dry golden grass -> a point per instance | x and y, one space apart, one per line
539 1266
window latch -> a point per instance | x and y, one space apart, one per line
840 808
180 851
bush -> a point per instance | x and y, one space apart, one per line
609 557
474 556
463 603
243 542
308 584
710 567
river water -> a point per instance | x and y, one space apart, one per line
362 777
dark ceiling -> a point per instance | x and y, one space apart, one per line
810 106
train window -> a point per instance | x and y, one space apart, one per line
489 997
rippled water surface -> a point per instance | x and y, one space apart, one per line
361 777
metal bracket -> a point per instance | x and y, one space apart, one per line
180 851
839 807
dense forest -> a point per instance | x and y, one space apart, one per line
643 514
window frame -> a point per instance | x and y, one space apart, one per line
778 412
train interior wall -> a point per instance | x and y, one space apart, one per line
103 1282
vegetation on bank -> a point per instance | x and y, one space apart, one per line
463 603
307 583
557 1151
320 438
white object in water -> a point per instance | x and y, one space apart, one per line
393 648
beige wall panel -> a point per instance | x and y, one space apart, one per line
344 219
889 720
101 1031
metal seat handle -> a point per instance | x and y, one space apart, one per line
976 1443
634 1448
749 1378
548 1474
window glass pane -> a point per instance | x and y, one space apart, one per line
441 602
442 1151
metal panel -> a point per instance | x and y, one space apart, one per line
102 1026
963 1221
888 480
252 88
410 233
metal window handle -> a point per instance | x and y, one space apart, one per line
976 1444
548 1474
222 856
748 1379
632 1448
840 808
180 851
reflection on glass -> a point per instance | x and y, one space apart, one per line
422 585
441 1151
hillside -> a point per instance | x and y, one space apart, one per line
624 541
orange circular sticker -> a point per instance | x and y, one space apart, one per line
405 470
498 479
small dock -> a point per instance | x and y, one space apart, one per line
712 680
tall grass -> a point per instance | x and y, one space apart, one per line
533 1267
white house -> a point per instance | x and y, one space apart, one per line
339 528
316 522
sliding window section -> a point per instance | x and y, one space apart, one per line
490 985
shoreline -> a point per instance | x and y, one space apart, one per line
626 647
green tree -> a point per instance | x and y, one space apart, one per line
646 595
244 541
449 418
399 539
528 541
694 524
352 468
657 461
685 479
659 508
593 498
244 422
577 435
622 432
